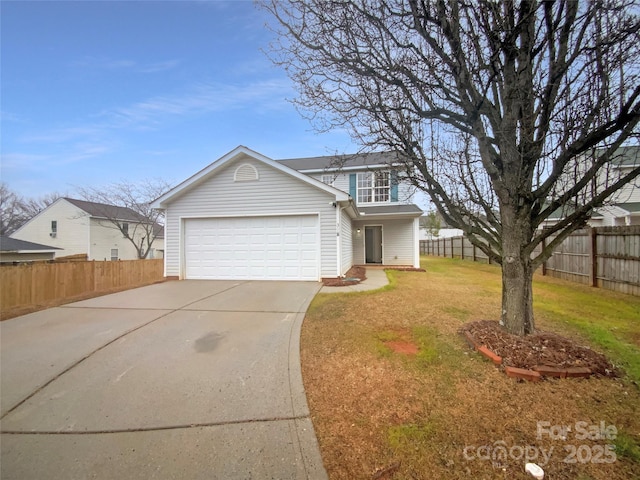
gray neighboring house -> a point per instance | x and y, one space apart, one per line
248 217
13 250
623 207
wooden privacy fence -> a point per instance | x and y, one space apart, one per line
33 284
605 257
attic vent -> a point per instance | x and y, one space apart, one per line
245 173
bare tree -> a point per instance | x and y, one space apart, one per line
504 112
126 206
16 210
33 206
12 215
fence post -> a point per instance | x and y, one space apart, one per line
452 247
462 248
593 257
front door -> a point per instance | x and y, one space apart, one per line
373 244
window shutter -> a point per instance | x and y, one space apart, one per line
394 186
352 185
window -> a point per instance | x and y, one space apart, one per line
328 179
373 187
114 254
54 226
125 229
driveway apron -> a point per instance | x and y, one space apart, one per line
188 379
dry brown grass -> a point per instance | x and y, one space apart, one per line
374 408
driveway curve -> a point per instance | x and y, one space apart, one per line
183 379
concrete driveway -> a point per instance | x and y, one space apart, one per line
188 379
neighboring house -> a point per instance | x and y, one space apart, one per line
623 208
14 250
246 216
625 204
81 227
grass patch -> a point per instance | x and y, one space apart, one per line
410 436
609 321
627 447
373 407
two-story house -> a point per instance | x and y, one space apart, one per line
246 216
623 207
79 227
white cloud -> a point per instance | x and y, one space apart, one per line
202 98
102 63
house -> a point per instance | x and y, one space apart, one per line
246 216
13 250
95 229
623 207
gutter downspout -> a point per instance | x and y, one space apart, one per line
338 240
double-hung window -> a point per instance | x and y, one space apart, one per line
328 179
373 187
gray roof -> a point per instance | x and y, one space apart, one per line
626 156
8 244
338 162
102 210
409 209
631 207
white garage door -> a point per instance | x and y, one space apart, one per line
252 248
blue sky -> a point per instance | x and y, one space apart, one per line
96 92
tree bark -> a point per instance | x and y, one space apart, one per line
517 276
517 295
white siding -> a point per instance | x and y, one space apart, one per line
73 229
630 193
105 236
274 193
398 242
346 242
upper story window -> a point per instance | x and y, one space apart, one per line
125 229
54 226
328 179
373 187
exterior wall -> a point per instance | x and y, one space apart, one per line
346 242
25 257
274 193
630 193
399 242
157 249
73 229
105 236
341 182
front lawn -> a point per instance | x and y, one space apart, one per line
445 411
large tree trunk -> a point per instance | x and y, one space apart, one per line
517 279
517 295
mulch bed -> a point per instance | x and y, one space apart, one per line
354 276
540 348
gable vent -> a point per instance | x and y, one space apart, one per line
245 173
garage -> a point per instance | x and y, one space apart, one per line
284 247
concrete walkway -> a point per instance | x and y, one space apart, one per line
376 278
188 379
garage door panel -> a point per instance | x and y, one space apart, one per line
261 248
